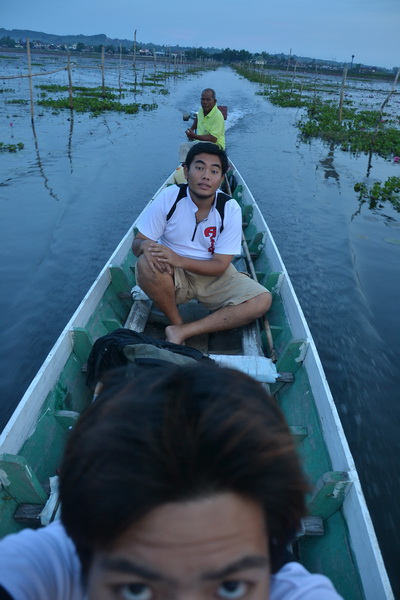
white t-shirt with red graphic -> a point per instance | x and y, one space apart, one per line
183 234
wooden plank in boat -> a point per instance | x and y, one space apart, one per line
258 367
329 493
139 313
19 481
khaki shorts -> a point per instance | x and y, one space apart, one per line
231 288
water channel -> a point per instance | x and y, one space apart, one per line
70 195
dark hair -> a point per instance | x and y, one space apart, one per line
209 90
172 436
207 148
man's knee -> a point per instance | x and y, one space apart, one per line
146 275
141 269
261 304
267 300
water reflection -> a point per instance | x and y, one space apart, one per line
40 165
377 194
71 129
328 165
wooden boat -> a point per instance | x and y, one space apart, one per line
338 539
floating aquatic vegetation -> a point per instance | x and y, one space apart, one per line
149 84
52 87
358 132
286 99
95 93
92 91
96 105
379 192
11 147
17 101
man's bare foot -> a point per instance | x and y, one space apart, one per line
174 334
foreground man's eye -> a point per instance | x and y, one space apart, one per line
232 590
135 591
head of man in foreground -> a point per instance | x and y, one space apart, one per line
184 484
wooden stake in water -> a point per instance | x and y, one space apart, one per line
377 127
302 85
102 72
28 49
119 72
288 62
342 94
71 102
315 83
134 58
390 94
293 78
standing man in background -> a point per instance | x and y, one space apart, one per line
209 125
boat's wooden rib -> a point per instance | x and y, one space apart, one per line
338 539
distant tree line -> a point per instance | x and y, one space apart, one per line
227 55
7 42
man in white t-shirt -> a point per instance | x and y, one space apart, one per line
180 484
185 250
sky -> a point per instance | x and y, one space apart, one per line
330 30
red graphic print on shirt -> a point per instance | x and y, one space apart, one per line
211 232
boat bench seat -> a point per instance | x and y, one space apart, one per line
256 243
329 493
19 481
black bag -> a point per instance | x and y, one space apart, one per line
124 346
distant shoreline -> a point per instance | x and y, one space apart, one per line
378 75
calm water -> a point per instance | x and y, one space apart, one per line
67 200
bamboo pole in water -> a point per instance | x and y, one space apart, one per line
102 72
71 102
143 73
390 94
288 62
119 72
342 94
134 58
380 119
293 78
315 83
28 49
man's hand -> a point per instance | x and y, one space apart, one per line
154 258
191 135
214 267
164 257
140 245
